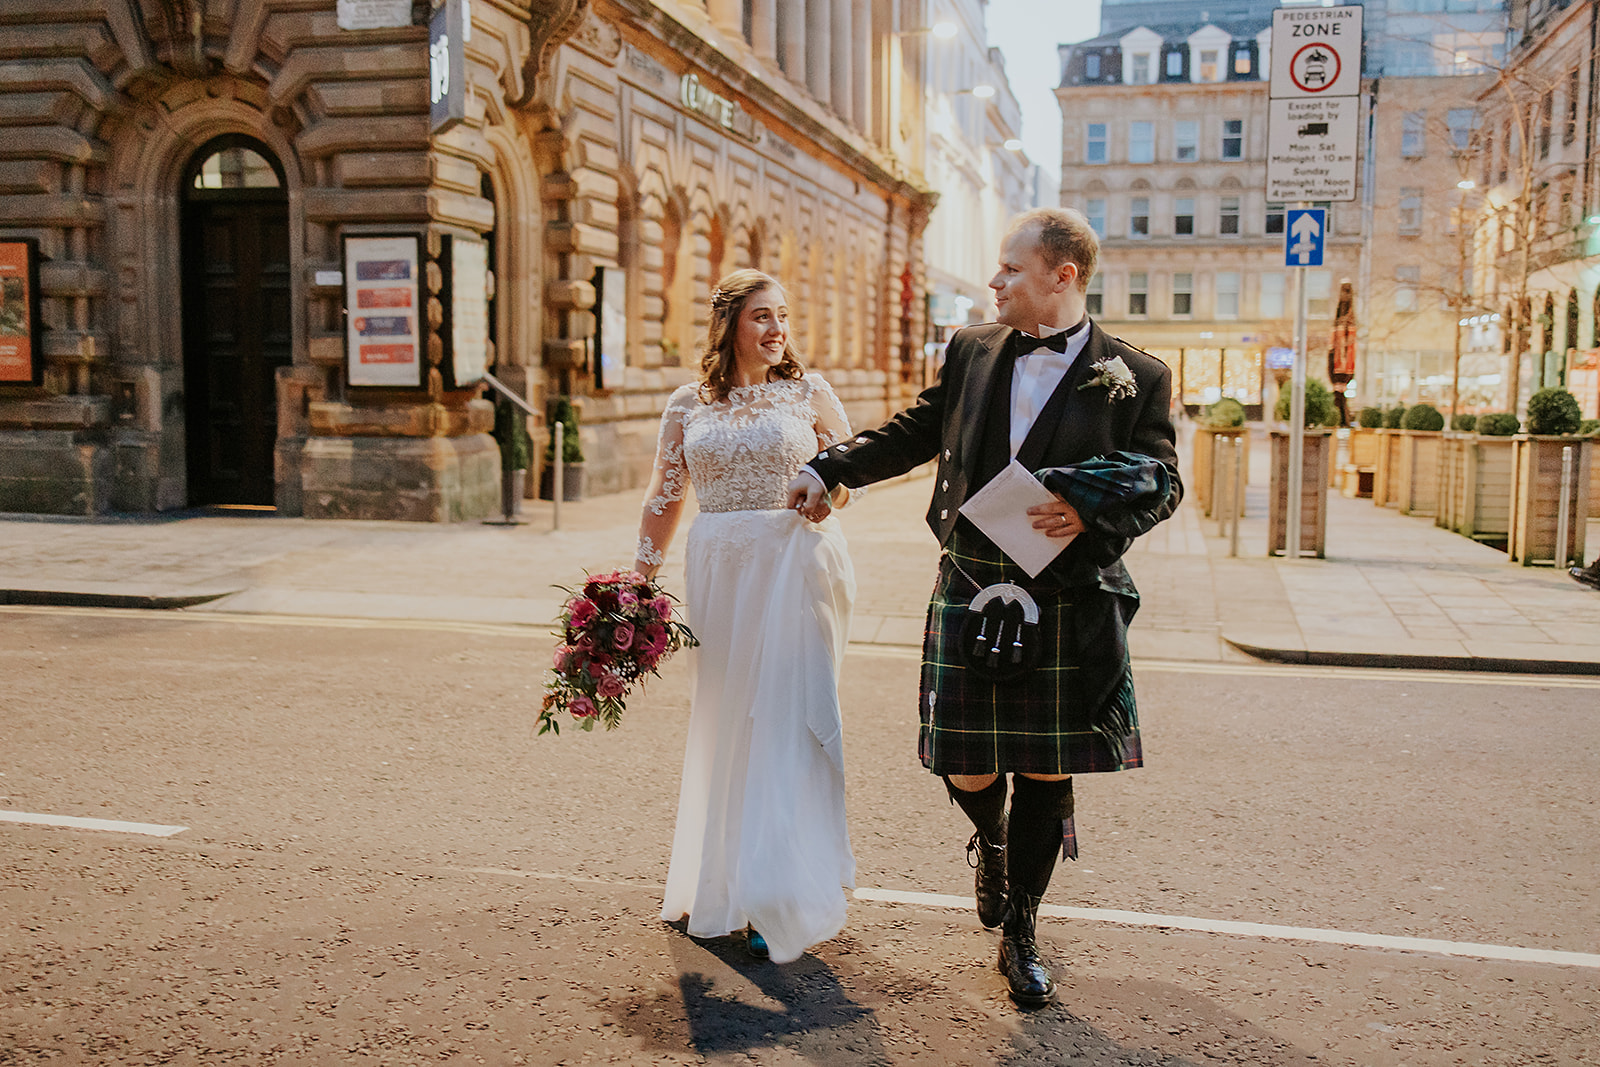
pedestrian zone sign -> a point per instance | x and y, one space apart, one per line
1304 230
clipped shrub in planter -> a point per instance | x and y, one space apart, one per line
1553 411
1464 423
1370 418
1393 417
1320 408
1498 424
562 411
1224 414
1423 417
511 434
1589 428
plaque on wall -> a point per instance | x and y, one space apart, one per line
611 293
382 303
373 14
467 306
21 361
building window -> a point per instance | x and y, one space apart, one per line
1186 140
1139 220
1547 107
1462 121
1272 294
1241 61
1228 217
1174 64
1095 150
1183 217
1274 218
1410 211
1569 130
1141 142
1233 138
1094 297
1405 291
1095 210
1319 293
1138 292
1227 294
1091 66
1412 127
1209 70
1139 72
1182 294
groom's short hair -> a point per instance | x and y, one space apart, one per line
1064 236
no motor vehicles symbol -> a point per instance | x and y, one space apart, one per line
1315 67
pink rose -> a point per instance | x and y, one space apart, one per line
583 612
622 636
563 657
611 686
627 599
584 643
583 708
663 608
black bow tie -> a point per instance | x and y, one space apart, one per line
1056 342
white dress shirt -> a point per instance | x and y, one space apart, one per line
1036 376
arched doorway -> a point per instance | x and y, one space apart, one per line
236 318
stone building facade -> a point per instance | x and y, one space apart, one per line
189 173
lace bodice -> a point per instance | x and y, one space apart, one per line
740 453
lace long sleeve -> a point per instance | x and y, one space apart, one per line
831 423
663 500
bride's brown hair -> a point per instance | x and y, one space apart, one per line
727 305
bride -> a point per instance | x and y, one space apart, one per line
761 843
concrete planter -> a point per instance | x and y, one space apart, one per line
1475 494
1205 441
1536 496
1386 473
1317 458
571 482
1417 488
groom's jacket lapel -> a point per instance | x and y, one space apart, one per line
987 369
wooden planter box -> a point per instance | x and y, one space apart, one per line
1318 456
1357 475
1386 476
1477 502
1452 450
1417 491
1594 486
1204 441
1536 492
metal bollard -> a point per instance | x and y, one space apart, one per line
1563 551
558 481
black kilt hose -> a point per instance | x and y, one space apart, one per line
1074 713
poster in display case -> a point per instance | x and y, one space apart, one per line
21 361
383 302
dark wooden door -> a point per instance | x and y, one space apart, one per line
236 333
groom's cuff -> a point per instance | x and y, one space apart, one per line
814 476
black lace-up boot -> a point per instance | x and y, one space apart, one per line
986 852
1029 979
1040 813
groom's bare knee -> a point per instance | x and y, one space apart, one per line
971 783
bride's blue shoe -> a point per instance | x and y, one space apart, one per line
755 943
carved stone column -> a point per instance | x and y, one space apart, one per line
727 16
841 27
819 50
764 28
792 13
861 66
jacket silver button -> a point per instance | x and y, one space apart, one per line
944 513
947 453
945 486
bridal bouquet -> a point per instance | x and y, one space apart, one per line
615 630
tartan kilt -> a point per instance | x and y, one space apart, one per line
1036 724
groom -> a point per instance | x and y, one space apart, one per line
1088 414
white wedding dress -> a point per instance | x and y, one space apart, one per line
761 836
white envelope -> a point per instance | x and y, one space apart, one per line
1000 510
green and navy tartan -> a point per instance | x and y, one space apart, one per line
1036 724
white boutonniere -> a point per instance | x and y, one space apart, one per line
1114 375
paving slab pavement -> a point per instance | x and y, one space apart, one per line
1394 590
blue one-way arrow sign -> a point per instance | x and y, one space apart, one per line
1302 246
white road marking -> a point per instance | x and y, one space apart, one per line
1262 930
73 821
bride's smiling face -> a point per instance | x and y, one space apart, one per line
762 332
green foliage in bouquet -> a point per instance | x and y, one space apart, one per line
1498 424
1554 411
1423 417
1370 418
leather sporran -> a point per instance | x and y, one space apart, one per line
1000 637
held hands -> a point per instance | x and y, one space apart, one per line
806 496
1057 518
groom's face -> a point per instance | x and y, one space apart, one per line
1027 292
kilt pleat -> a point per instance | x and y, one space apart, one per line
1036 724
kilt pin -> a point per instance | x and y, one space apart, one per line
1116 462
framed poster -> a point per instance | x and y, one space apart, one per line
21 360
467 308
382 305
611 311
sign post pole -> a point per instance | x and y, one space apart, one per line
1297 423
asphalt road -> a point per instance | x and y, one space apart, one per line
382 864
